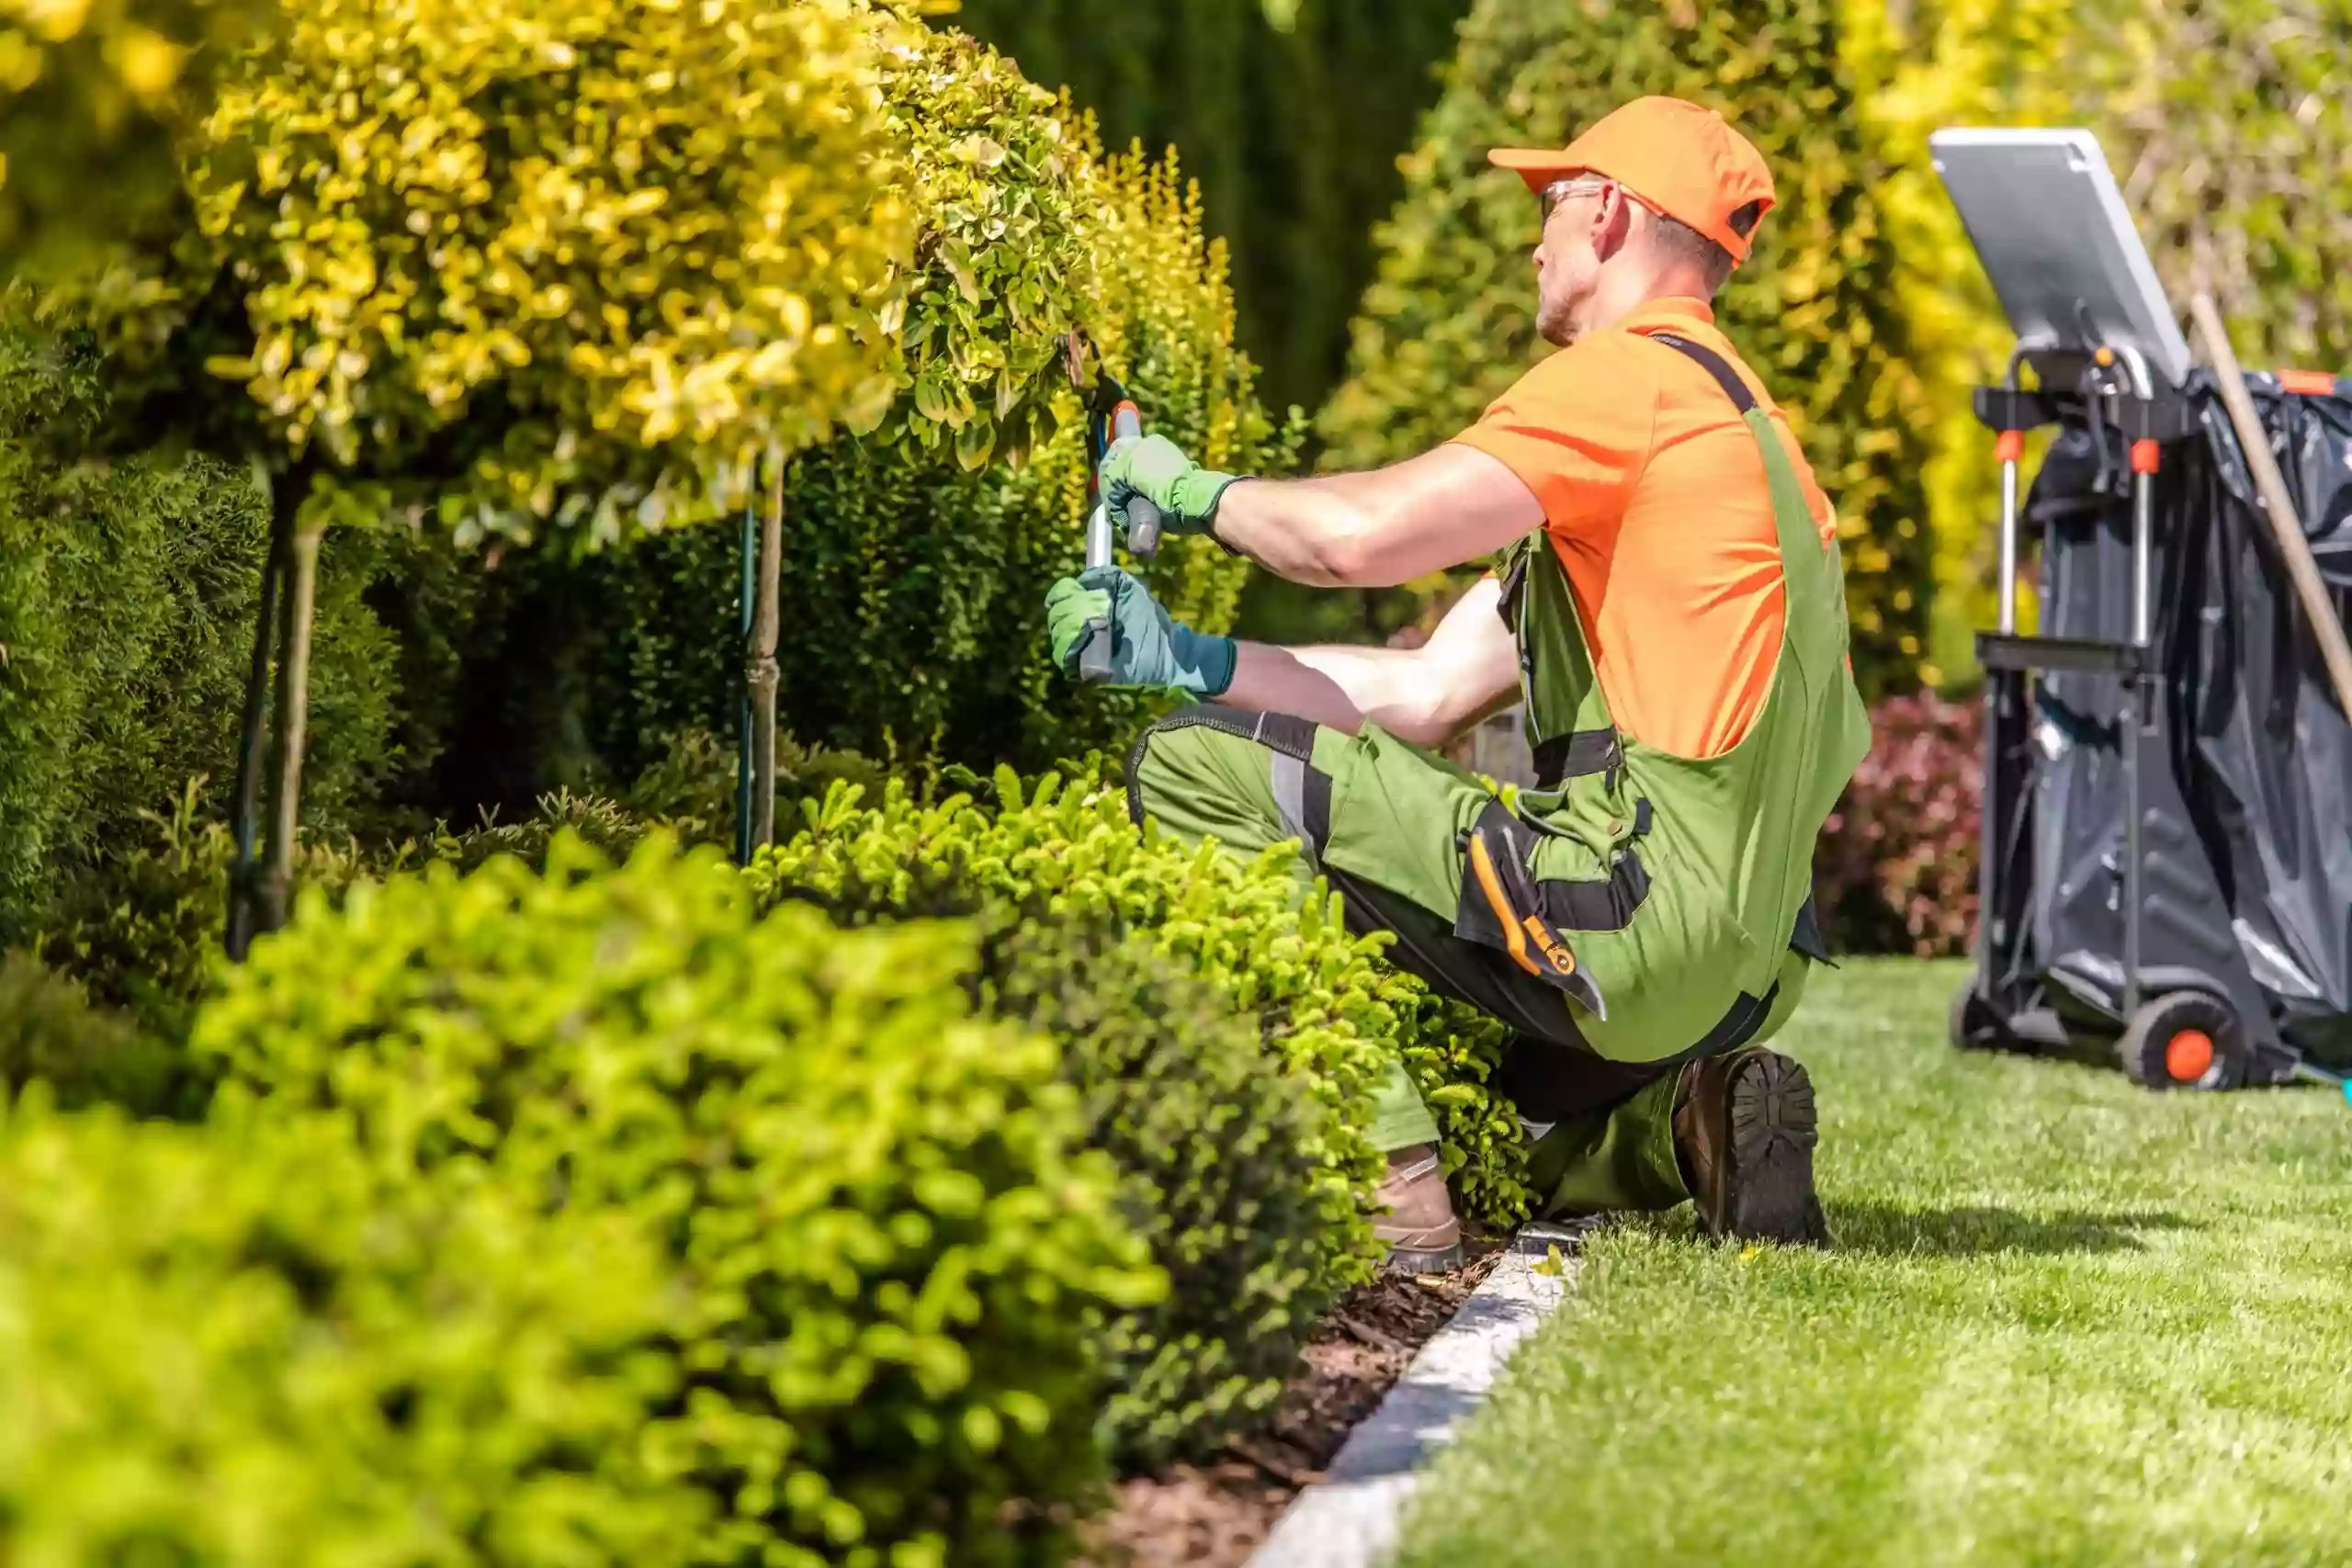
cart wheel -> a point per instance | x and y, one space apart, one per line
1975 1023
2183 1040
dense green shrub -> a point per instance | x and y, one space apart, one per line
51 1031
127 595
236 1349
895 1259
1217 1153
1918 69
140 923
1066 850
1449 322
1328 1007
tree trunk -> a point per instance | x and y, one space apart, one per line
763 673
245 807
293 715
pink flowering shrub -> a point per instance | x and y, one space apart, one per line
1897 869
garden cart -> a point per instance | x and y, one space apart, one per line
2165 880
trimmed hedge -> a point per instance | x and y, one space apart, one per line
1327 1007
1293 124
1065 849
1218 1154
892 1256
236 1348
1449 322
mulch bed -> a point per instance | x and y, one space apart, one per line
1215 1516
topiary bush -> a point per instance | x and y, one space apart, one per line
893 1258
1292 122
1896 868
1217 1155
1449 322
237 1347
91 95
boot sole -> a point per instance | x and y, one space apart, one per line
1422 1261
1773 1130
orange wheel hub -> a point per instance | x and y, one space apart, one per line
2189 1055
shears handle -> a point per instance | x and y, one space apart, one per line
1143 517
1123 421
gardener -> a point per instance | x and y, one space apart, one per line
1667 605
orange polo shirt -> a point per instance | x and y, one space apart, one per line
1656 501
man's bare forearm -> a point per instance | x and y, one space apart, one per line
1377 529
1425 695
1338 687
1318 532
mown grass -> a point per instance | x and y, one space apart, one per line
2066 1321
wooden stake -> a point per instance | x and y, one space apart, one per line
763 673
293 719
2285 524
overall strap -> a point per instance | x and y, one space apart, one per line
1812 574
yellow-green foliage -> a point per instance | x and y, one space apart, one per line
235 1347
567 262
891 1255
1962 62
1066 849
2225 124
2229 125
1001 194
92 94
913 591
1450 321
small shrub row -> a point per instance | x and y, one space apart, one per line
1319 1008
891 1248
1218 1153
1065 849
237 1346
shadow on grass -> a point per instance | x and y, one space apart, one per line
1893 1229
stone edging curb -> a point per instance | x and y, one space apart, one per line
1349 1519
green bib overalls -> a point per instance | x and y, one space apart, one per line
1634 912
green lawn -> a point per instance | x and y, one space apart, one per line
2066 1321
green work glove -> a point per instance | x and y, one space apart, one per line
1156 467
1146 647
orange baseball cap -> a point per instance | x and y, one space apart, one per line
1673 156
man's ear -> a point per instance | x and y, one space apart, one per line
1613 223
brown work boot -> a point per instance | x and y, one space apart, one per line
1416 1213
1743 1131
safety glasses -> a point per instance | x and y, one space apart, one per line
1559 191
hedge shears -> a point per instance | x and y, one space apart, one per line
1111 416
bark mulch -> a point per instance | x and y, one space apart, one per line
1215 1516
